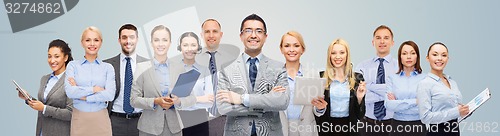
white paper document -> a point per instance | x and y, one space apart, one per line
479 100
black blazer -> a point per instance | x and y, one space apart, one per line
356 111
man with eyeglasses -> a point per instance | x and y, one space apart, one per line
245 86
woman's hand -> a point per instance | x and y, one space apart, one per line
463 109
319 103
36 105
360 93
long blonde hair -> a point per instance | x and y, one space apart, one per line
330 72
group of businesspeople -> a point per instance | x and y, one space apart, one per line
242 94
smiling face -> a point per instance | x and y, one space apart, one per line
408 56
438 57
212 34
56 60
160 42
189 47
338 56
128 41
253 36
91 42
383 41
291 48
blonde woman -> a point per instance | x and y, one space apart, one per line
344 92
90 82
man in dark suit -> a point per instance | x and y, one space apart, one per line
123 116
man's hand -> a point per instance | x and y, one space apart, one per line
36 105
391 96
98 89
229 97
209 98
279 89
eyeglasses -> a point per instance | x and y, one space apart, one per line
257 31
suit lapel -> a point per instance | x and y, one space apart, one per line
153 78
56 87
243 71
115 62
263 65
44 81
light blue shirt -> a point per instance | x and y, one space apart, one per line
203 86
293 111
118 104
436 102
50 84
376 92
162 73
246 57
339 99
405 90
87 75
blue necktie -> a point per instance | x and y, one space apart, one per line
379 108
213 71
252 71
127 86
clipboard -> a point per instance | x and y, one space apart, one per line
185 83
22 91
475 103
306 89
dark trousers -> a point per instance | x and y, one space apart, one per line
449 128
374 127
408 128
196 130
216 126
124 127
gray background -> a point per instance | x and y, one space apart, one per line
469 29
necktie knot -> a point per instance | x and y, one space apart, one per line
252 61
381 60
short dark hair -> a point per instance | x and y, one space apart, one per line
58 43
415 47
129 27
383 27
210 19
435 43
253 17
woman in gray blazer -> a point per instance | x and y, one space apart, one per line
53 106
297 120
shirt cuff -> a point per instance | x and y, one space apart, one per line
44 107
320 111
245 100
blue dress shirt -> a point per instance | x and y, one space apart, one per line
339 99
87 75
376 92
436 102
405 90
202 86
293 111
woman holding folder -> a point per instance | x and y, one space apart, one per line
438 96
53 106
344 92
90 82
297 116
153 84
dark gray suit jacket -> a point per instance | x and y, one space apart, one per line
115 62
57 117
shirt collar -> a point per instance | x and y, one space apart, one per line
436 78
58 76
413 73
246 57
387 58
132 56
158 64
299 73
195 66
97 60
